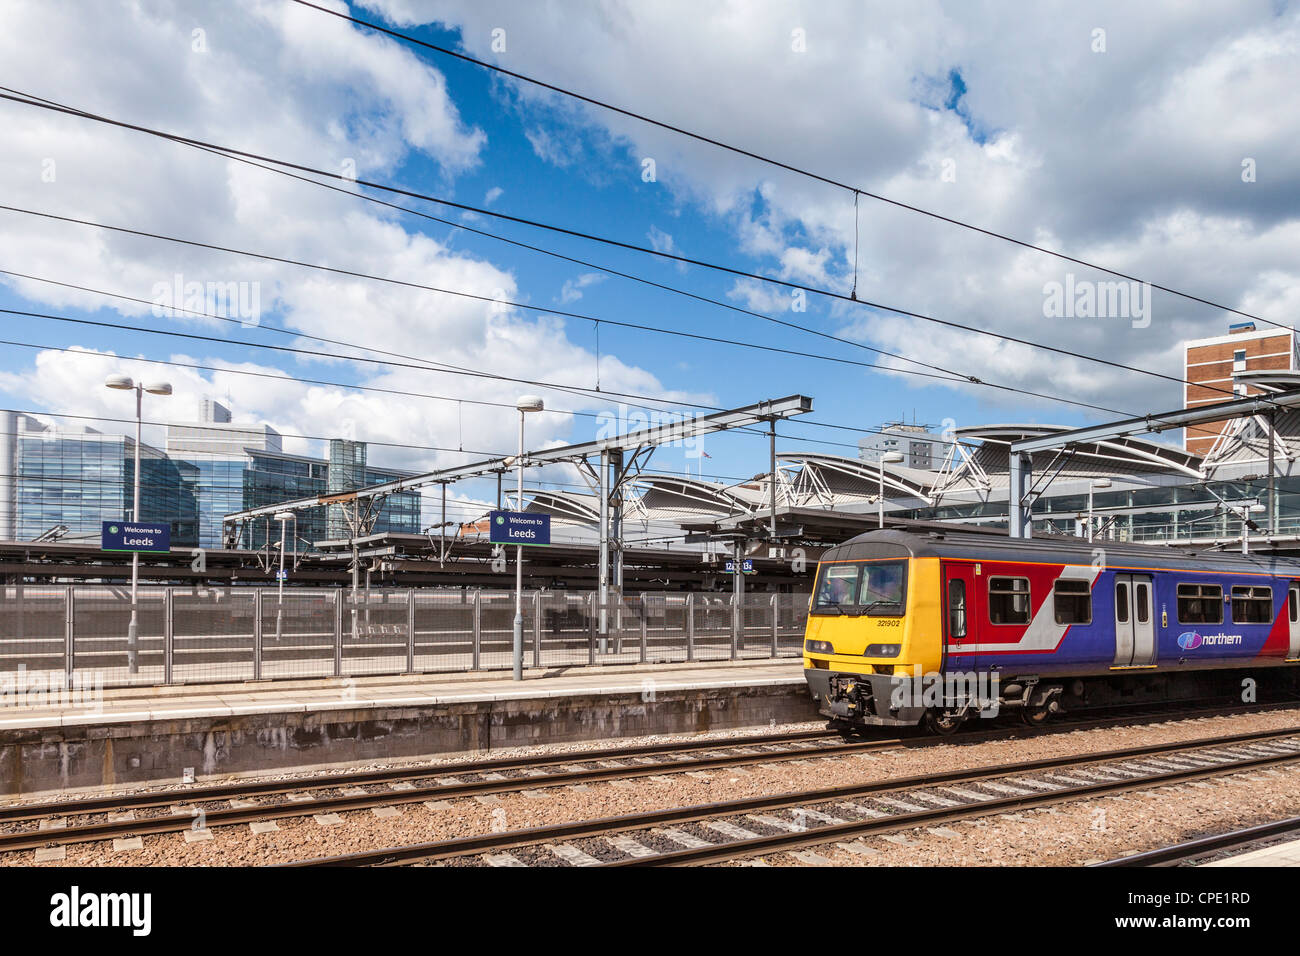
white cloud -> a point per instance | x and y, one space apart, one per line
572 288
1131 157
285 81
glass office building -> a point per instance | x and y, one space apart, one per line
64 483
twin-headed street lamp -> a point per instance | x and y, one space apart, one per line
124 383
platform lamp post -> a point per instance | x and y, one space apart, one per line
525 404
124 382
284 517
887 458
1099 483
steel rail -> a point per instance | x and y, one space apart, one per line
1177 853
473 845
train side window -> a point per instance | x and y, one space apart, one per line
956 608
1140 598
1252 605
1009 600
1072 602
1121 602
1293 605
1200 604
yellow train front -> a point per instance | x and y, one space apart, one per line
874 617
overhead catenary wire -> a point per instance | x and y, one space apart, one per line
687 260
788 167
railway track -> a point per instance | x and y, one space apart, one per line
85 820
1218 845
716 832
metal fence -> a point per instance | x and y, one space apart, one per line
192 635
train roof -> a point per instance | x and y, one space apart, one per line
1053 550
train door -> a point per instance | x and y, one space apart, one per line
1135 630
959 617
1293 618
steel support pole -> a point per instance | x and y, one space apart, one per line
69 634
603 576
518 649
279 601
1272 475
338 633
257 634
690 626
537 628
591 626
737 602
169 634
410 632
775 640
478 630
133 628
772 478
645 609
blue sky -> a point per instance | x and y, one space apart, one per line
1048 139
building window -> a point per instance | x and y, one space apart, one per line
1072 602
1252 605
1009 600
1200 604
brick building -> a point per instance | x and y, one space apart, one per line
1211 364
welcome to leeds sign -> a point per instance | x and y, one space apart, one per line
134 536
515 527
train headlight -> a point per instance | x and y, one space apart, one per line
818 647
882 650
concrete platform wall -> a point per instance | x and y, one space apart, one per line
108 754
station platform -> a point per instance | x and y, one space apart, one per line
1283 854
147 735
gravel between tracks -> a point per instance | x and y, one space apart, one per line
1070 835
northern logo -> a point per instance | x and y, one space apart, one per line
1189 640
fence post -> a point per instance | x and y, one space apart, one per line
591 627
645 613
690 626
478 628
169 634
69 636
735 628
338 633
410 633
775 639
537 628
257 634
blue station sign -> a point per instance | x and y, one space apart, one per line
135 536
515 527
746 566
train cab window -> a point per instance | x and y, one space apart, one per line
1143 602
956 608
1252 605
838 585
1200 604
1072 602
1293 605
1009 600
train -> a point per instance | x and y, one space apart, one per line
910 629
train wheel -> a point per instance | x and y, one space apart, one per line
942 722
1034 716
